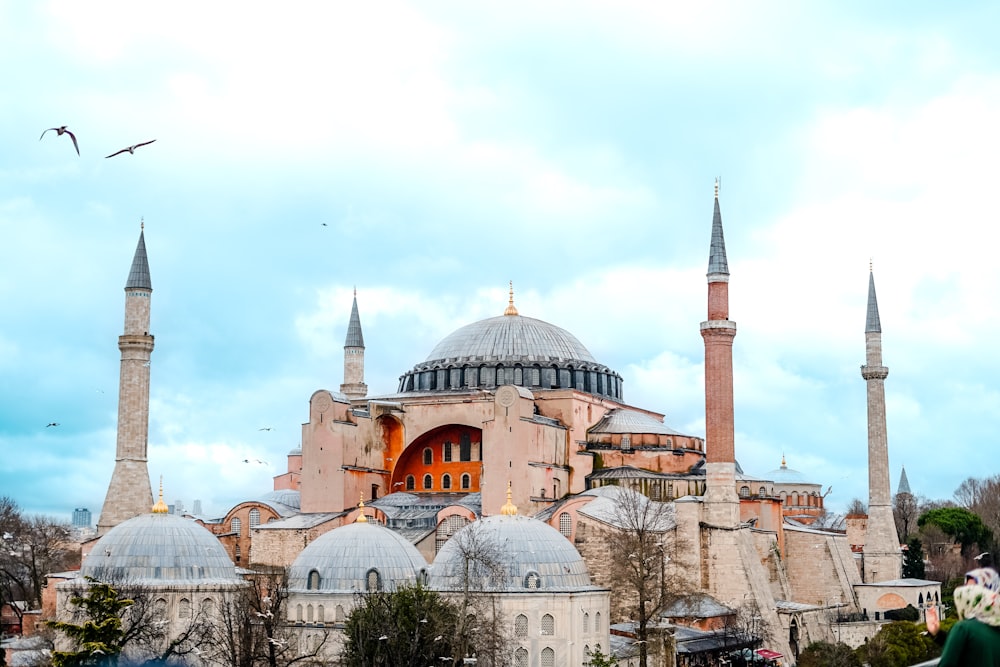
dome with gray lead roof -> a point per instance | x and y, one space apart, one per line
157 549
530 555
511 338
345 558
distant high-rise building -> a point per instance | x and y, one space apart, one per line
196 510
179 506
81 517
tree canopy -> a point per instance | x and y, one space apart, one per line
962 525
99 637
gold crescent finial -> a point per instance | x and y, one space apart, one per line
361 507
783 464
161 507
871 265
511 310
718 183
142 223
509 508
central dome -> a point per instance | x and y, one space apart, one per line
511 338
511 349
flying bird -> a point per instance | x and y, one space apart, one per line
52 424
266 428
130 150
60 131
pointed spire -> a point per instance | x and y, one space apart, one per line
783 464
872 324
361 508
161 507
509 508
354 336
717 264
138 276
904 484
511 310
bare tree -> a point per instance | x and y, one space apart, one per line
857 506
642 540
904 513
982 496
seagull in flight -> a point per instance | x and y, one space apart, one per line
130 150
60 131
266 428
52 424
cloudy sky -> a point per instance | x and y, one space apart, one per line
428 153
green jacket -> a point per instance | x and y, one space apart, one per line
971 643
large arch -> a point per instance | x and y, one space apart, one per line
456 450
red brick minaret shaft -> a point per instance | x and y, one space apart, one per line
721 502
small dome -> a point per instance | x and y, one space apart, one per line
785 475
159 548
534 555
344 557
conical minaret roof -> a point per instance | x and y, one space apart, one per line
872 324
904 484
138 275
354 336
717 263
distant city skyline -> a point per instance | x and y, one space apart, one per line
428 155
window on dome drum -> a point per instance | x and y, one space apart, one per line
548 625
532 580
235 525
447 451
254 517
428 481
565 524
313 583
744 492
446 481
373 580
626 442
410 483
521 657
762 491
184 608
466 481
548 657
428 456
586 622
465 448
521 626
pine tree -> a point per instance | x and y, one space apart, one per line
913 563
99 637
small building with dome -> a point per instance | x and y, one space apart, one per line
801 500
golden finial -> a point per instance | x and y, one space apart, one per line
161 507
783 465
511 310
509 508
361 507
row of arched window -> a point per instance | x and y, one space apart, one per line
548 656
446 482
236 525
317 614
184 607
373 580
596 380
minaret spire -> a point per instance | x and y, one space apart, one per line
882 554
721 502
129 492
354 356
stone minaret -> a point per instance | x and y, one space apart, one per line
882 555
354 357
722 505
129 493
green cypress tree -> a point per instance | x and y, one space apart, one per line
99 637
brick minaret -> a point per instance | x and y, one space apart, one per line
354 357
722 505
882 555
129 493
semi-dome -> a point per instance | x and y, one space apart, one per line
356 557
532 555
157 549
511 349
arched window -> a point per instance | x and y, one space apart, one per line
410 483
446 481
532 580
466 481
566 524
597 622
521 657
160 608
762 491
184 608
428 481
586 622
548 625
319 614
373 580
548 657
338 616
207 607
235 525
465 447
313 583
428 456
446 456
744 492
254 517
298 613
238 553
309 613
521 626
